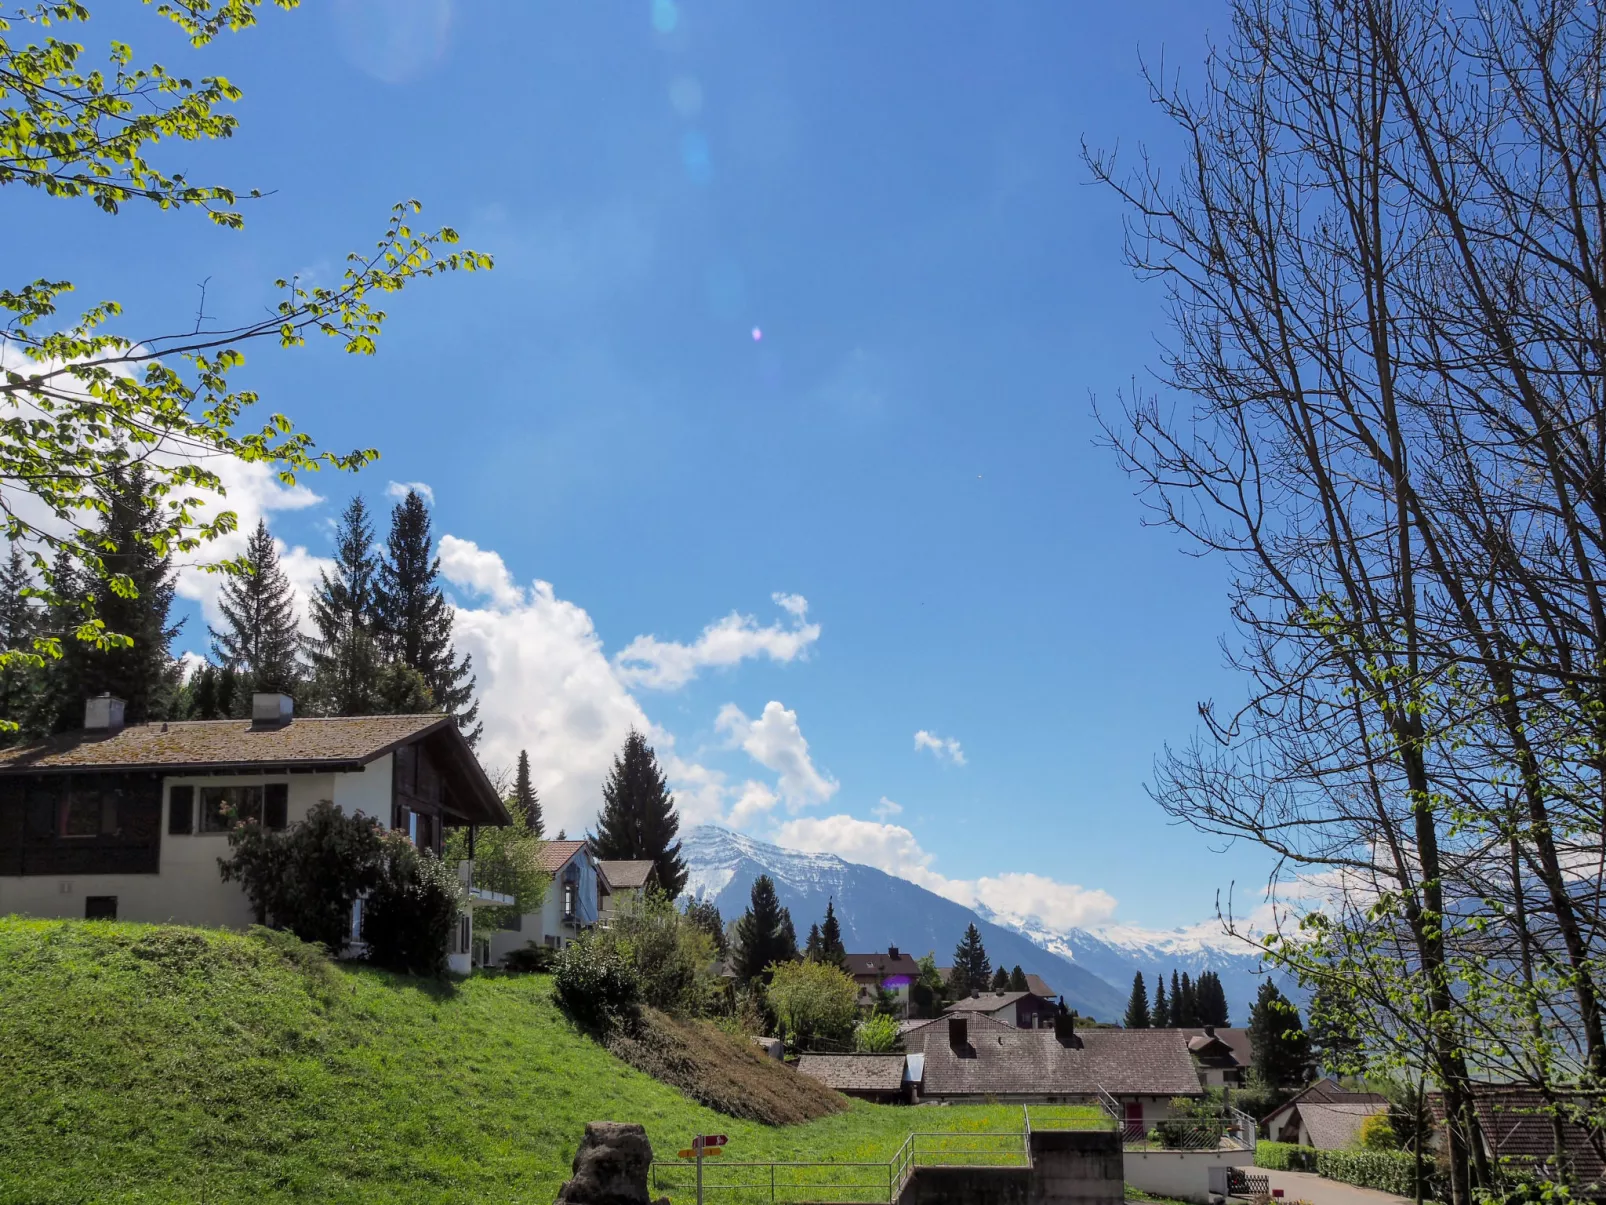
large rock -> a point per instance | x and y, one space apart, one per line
611 1167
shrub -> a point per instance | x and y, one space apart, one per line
409 916
507 858
673 956
1386 1171
307 878
596 983
529 957
877 1035
814 1001
1285 1157
1377 1133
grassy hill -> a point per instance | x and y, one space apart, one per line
157 1063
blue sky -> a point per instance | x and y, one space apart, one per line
893 196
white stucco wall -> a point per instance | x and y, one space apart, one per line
187 888
1184 1175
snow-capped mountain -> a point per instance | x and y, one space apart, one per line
1092 968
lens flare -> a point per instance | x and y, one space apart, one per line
757 335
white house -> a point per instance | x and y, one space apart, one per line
573 903
624 884
129 822
1325 1115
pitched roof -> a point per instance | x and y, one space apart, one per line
881 964
854 1072
1002 1060
1038 987
626 876
1516 1126
988 1002
306 744
1326 1091
1236 1040
1335 1127
556 854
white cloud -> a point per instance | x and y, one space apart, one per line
755 800
481 571
400 489
894 849
886 809
775 741
665 664
945 748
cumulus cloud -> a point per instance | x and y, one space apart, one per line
666 664
400 489
945 748
894 849
480 571
775 741
755 800
886 809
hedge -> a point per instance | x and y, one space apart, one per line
1285 1157
1386 1171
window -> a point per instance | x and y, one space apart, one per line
180 811
87 812
568 901
276 805
221 807
356 920
100 907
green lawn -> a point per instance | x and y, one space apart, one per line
145 1063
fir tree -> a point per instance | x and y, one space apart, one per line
1190 1006
525 793
1160 1015
19 624
761 933
1280 1044
346 660
831 948
1000 980
811 949
638 821
259 639
1137 1004
1017 981
414 619
213 691
1210 1000
1335 1039
1176 1002
970 958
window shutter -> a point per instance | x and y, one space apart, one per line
180 811
276 805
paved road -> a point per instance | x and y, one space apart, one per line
1307 1186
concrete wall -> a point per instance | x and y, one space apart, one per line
1068 1168
968 1186
1181 1174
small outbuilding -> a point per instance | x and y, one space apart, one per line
881 1078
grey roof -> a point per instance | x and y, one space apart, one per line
305 744
1516 1123
881 964
854 1072
1039 987
988 1002
1000 1059
625 876
1335 1127
1236 1040
1325 1091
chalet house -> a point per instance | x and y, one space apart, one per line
1325 1116
129 822
1223 1055
971 1058
1035 984
624 884
1022 1010
895 971
573 902
883 1078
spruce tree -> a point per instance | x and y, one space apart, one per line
19 624
1281 1047
638 821
525 793
1017 981
831 947
346 660
1137 1004
259 640
761 933
811 949
1000 980
1190 1005
414 618
1210 999
1160 1015
788 942
970 957
1176 1002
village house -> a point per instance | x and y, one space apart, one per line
1022 1010
885 1079
1325 1116
1224 1055
1518 1131
623 885
894 972
573 902
129 821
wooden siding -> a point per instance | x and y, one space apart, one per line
128 837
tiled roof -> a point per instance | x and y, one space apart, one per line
1335 1127
1517 1127
999 1059
988 1002
881 964
1038 987
312 742
625 876
854 1072
556 854
1236 1040
1324 1092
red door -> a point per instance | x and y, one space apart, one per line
1133 1118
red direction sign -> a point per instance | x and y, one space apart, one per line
707 1140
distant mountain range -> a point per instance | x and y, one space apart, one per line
1091 969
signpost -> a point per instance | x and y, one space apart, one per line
704 1146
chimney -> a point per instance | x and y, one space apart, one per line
892 953
103 713
1210 1031
271 708
1065 1029
958 1032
